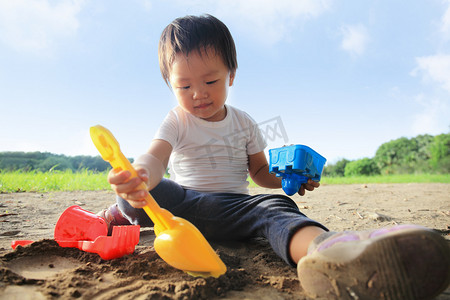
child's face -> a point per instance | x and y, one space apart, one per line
201 84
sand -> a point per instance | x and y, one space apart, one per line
43 270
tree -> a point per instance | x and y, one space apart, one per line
364 166
44 161
440 153
54 163
404 155
392 153
337 169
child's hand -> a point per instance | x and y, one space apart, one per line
310 186
127 188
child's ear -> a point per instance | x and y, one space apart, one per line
232 76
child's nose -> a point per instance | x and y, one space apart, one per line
200 93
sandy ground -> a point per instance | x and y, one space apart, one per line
43 270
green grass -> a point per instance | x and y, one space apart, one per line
403 178
19 181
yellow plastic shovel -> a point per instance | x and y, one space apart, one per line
178 242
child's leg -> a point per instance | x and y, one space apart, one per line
237 217
402 262
300 241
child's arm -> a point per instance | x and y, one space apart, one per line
150 167
258 168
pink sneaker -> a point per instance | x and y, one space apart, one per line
113 217
401 262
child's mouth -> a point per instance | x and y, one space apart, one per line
202 106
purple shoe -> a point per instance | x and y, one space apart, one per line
113 217
401 262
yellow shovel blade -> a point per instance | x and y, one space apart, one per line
184 247
178 242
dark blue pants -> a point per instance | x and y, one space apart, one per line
228 216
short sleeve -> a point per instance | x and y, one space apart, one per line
168 131
256 142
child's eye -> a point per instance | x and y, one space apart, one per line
184 87
211 82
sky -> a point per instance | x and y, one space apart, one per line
342 77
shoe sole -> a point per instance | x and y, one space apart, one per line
409 264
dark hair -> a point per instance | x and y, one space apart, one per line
199 33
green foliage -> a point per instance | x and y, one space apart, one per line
423 154
37 181
398 178
404 156
365 166
44 161
440 153
337 169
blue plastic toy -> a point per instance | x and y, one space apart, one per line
295 165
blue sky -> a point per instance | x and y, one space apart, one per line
342 77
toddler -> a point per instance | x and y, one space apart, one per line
213 147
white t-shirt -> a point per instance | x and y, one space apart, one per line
211 156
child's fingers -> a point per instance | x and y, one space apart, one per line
314 184
137 204
120 177
301 191
128 187
142 173
135 198
309 186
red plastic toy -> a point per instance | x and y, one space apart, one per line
82 229
122 242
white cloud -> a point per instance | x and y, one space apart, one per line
445 25
434 71
354 39
273 20
147 4
433 116
35 25
268 21
434 68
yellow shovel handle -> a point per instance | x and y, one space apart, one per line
110 151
